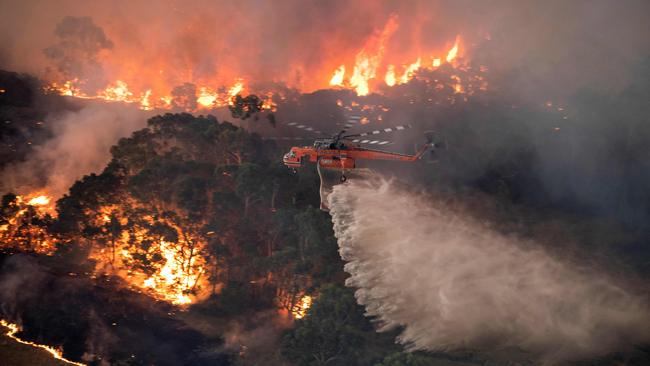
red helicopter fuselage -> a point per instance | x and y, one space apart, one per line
342 156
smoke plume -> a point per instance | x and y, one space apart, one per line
80 145
453 283
18 277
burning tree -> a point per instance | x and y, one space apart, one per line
25 223
145 215
182 211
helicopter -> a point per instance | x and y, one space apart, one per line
341 151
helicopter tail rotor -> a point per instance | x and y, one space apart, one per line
433 143
434 140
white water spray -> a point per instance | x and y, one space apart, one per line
451 283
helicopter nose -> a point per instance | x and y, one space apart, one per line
287 158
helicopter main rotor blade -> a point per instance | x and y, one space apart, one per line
384 130
351 122
305 127
371 142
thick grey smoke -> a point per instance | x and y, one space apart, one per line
19 276
100 341
80 145
453 283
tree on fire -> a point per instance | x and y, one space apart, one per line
245 107
249 106
22 227
211 193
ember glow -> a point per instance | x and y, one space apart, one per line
12 329
300 309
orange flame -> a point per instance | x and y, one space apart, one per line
236 89
174 272
207 98
151 87
369 58
145 104
118 92
173 279
18 231
453 52
390 76
410 71
337 78
177 276
300 309
41 200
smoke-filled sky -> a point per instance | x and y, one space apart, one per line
417 266
570 44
